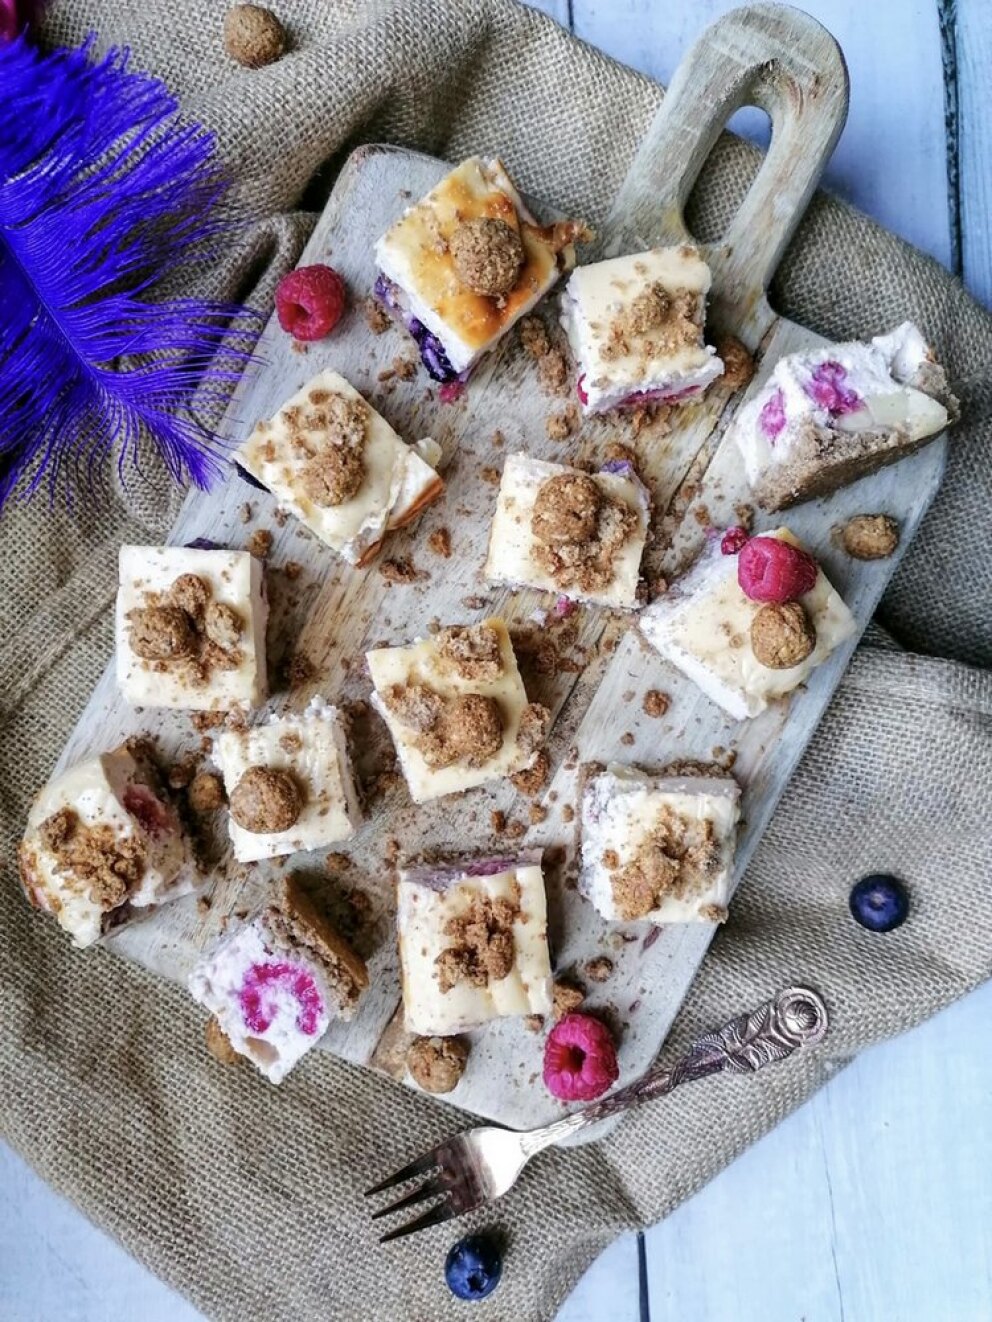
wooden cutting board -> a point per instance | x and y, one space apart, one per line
766 55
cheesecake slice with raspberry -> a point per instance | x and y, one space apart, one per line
826 418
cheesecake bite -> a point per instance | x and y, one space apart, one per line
473 943
190 628
745 651
275 985
289 783
658 848
464 264
336 463
103 840
635 326
457 709
565 531
825 418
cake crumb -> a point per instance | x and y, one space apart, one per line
497 820
245 513
627 739
567 813
870 536
738 364
202 721
537 814
560 426
259 544
533 1022
376 317
490 475
181 773
713 913
206 793
203 906
401 570
405 368
437 1064
599 969
567 998
336 863
515 830
292 569
656 703
440 543
531 781
219 1044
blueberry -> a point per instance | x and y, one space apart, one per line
247 477
879 902
202 544
473 1267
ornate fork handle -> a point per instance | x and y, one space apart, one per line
796 1018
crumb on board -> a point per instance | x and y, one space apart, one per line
259 544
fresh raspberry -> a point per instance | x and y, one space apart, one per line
732 540
310 301
770 569
580 1060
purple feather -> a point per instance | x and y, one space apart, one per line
104 195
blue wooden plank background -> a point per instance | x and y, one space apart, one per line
872 1203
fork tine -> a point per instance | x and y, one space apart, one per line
429 1190
433 1217
421 1166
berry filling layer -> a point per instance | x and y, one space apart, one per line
280 989
433 354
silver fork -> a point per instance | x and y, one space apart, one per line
477 1167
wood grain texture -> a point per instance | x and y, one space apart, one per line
790 66
973 48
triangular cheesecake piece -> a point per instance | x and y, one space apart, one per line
826 418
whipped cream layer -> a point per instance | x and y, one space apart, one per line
703 626
234 579
429 899
621 807
646 370
511 539
825 418
118 795
398 480
452 325
313 748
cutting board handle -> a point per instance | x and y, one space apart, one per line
767 55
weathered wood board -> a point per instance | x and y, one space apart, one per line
332 613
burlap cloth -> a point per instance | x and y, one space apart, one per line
246 1197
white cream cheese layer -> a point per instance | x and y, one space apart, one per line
600 292
427 900
313 748
511 539
619 809
109 790
272 1005
703 626
414 254
846 388
398 479
418 663
235 580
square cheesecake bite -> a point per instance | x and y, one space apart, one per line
473 943
103 839
190 628
465 263
336 463
457 709
744 652
825 418
566 531
658 848
275 984
289 783
635 326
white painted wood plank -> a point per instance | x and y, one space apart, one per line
891 159
609 1289
55 1264
871 1202
974 61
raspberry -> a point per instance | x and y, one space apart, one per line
772 416
310 301
580 1060
770 569
450 391
580 389
827 388
733 539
